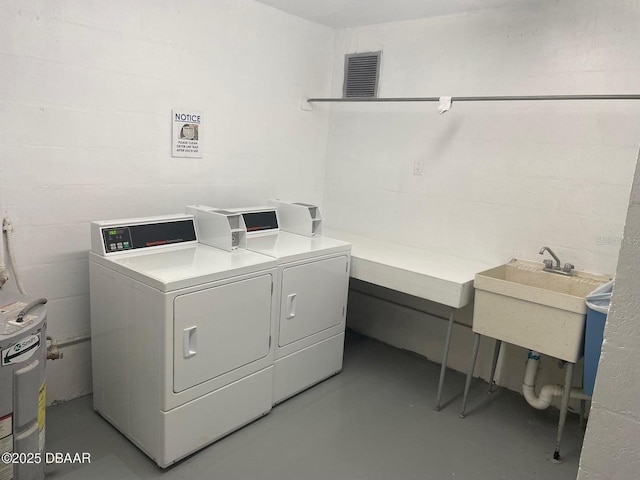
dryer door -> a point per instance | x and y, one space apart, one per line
220 329
312 298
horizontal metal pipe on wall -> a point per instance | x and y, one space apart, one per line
478 99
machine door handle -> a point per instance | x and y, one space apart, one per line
291 305
190 342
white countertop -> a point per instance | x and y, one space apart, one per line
429 274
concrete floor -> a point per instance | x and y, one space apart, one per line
375 420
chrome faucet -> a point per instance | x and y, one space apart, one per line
548 263
550 267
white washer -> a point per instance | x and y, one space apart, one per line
312 287
180 334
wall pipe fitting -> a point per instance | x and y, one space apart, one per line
7 228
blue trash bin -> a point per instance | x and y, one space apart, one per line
598 303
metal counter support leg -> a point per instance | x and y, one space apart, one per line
443 368
472 366
564 406
496 354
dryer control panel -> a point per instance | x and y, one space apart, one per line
121 236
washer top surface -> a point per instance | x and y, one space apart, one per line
289 247
182 267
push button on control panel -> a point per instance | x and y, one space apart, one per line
117 239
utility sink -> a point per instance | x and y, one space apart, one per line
519 303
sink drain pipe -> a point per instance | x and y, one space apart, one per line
543 400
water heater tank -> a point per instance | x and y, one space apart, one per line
23 355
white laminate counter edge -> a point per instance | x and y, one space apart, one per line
428 274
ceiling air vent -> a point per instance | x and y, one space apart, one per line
361 72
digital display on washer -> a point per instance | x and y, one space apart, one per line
256 221
121 238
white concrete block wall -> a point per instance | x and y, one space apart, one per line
85 131
611 449
501 179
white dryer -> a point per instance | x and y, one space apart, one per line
181 334
312 287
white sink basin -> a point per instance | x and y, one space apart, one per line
519 303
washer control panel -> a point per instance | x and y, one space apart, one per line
257 221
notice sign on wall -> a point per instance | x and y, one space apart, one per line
187 133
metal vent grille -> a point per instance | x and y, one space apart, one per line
361 72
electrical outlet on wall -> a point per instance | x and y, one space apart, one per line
418 164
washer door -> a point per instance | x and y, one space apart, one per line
220 329
312 298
